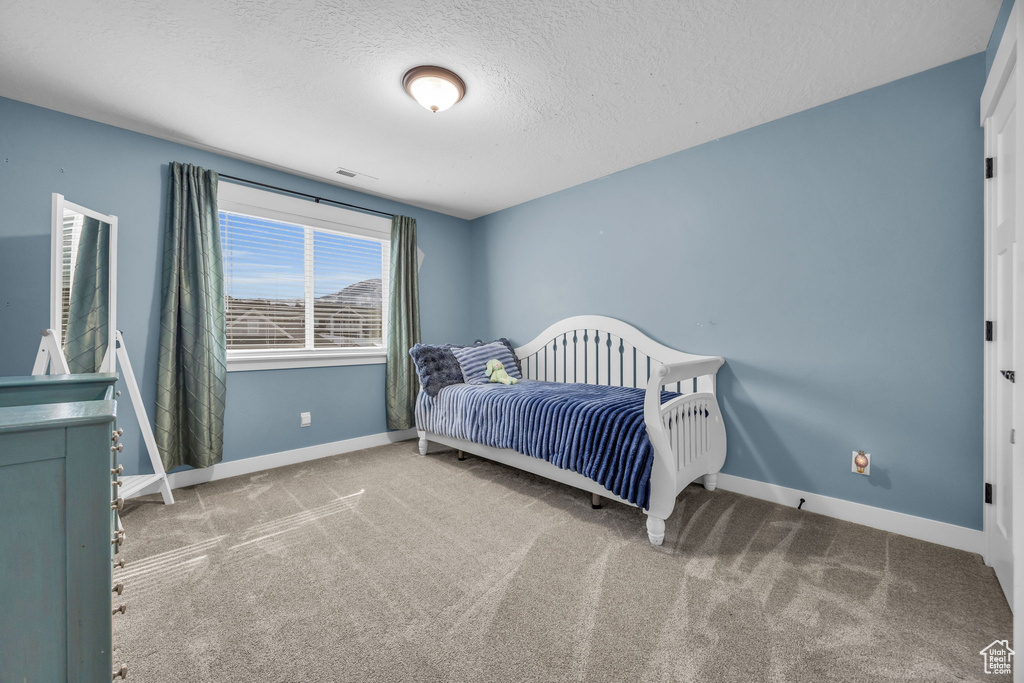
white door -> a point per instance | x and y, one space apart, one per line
1000 245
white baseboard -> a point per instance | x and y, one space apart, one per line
930 530
234 468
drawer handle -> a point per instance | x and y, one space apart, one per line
122 609
118 482
118 470
118 538
121 673
118 588
117 504
119 447
119 564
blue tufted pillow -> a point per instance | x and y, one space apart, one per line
473 360
436 366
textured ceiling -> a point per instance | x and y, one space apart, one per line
558 92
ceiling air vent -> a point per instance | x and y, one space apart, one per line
353 174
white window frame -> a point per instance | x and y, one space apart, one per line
264 204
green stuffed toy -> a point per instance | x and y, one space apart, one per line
496 371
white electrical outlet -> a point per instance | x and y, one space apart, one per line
305 418
866 469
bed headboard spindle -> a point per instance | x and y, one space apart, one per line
599 350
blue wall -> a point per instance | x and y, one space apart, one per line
116 171
997 33
833 257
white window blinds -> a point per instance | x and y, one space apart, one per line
72 233
291 287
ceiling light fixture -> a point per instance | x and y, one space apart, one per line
434 87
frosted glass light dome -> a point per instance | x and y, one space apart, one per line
434 87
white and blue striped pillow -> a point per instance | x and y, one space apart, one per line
473 360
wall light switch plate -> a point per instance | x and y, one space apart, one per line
305 419
867 468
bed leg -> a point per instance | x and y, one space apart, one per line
462 456
655 529
595 501
711 481
423 444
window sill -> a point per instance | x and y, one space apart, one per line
283 361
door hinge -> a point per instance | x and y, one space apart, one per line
989 330
1008 374
990 167
988 493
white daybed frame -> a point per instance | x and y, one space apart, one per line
687 432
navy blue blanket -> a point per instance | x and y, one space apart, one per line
596 431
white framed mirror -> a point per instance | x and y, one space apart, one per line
83 335
83 286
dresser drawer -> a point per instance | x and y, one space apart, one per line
25 447
33 561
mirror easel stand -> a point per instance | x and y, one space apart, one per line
51 359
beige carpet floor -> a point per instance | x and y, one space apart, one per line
383 565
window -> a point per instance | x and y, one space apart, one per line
305 284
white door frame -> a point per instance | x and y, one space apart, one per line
1007 64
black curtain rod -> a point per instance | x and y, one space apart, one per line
303 194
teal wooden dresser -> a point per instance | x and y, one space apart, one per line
58 481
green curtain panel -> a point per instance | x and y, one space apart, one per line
403 325
87 336
192 375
